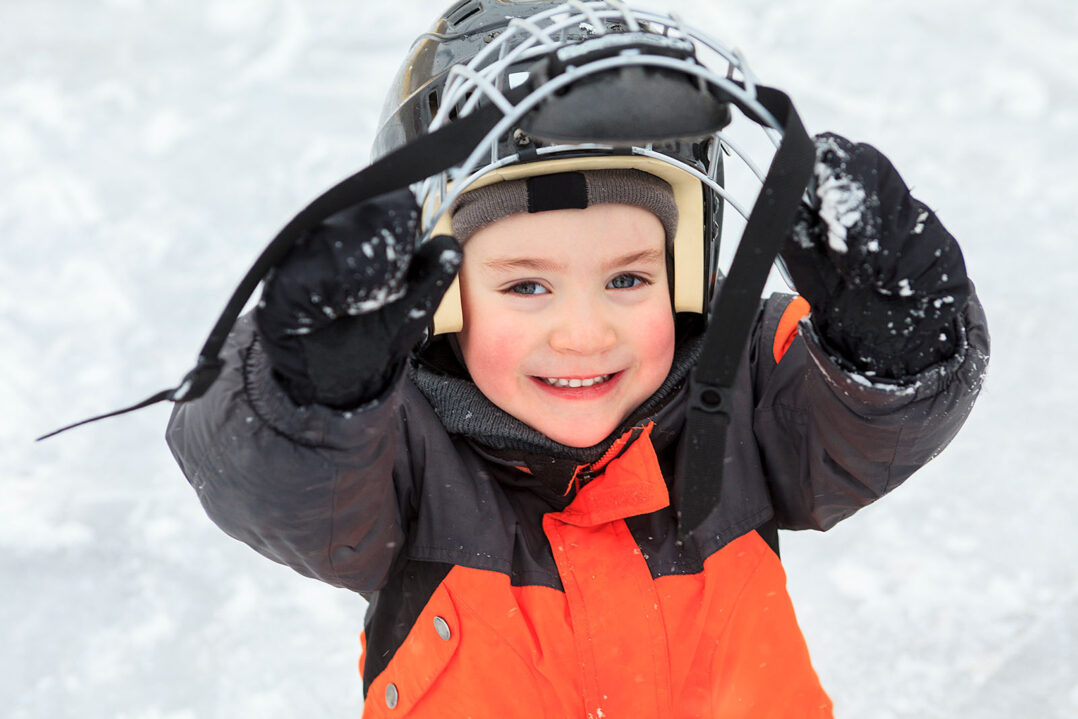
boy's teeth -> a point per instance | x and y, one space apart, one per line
560 382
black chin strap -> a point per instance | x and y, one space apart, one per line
703 447
702 451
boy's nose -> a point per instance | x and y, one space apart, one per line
582 330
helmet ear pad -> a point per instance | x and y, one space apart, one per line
689 248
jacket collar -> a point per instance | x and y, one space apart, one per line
561 478
630 484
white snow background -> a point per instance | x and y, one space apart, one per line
150 148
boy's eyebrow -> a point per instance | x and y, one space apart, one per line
536 264
643 256
505 264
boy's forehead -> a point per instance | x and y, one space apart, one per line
606 235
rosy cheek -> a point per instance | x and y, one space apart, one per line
491 352
656 327
655 341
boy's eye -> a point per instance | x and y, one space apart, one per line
527 288
625 282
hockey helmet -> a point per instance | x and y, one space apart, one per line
583 86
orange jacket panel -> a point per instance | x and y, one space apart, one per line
616 642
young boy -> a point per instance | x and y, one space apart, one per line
501 495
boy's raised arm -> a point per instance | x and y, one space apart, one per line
895 346
298 448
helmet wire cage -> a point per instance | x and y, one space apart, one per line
630 38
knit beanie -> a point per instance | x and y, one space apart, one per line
478 208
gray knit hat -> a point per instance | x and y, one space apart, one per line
564 190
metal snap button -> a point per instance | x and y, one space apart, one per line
392 696
442 627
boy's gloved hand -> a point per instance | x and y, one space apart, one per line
344 309
885 280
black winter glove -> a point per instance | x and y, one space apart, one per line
885 280
342 312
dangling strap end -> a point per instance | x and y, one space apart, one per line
193 386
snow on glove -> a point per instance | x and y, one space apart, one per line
885 280
341 313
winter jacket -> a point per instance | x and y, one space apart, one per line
493 593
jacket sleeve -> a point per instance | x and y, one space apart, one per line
832 441
324 492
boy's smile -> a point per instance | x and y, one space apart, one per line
567 318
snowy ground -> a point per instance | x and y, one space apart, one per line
149 148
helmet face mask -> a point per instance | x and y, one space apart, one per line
581 85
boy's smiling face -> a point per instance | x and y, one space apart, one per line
567 318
